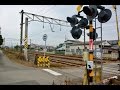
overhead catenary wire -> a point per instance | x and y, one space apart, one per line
44 9
48 10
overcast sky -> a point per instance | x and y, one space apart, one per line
10 19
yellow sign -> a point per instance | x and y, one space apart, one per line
118 43
43 61
79 7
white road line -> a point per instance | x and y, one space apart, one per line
111 69
111 72
52 72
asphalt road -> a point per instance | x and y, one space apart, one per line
17 74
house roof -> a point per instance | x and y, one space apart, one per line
42 46
73 41
87 43
104 42
61 48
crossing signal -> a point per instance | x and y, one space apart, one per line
1 40
76 32
83 23
76 24
104 15
95 35
72 20
90 11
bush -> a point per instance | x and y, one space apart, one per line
60 52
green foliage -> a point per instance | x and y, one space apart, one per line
17 47
60 52
60 45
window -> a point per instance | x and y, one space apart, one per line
109 52
105 51
77 51
73 51
67 50
67 46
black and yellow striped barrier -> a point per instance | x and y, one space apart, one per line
43 61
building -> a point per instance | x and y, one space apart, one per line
74 47
41 47
109 48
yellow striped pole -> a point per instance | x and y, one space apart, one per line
25 42
90 61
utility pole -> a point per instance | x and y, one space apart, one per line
65 44
84 38
45 48
95 52
26 39
21 35
44 39
101 53
30 44
115 8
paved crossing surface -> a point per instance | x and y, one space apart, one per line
17 74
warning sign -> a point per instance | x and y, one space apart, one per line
89 65
118 43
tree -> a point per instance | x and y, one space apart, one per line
16 47
1 40
59 46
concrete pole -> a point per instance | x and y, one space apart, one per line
65 44
21 27
30 45
45 48
95 52
101 53
26 39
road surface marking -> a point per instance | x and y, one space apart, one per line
52 72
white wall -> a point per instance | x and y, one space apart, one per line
81 47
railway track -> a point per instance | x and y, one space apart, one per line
68 60
64 60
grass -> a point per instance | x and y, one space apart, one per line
17 57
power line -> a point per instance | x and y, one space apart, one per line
45 10
48 9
